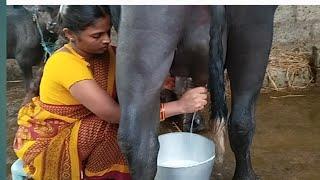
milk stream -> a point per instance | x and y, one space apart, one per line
194 114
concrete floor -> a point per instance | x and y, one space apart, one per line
286 144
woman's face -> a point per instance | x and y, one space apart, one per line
94 39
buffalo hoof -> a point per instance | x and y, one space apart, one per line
245 176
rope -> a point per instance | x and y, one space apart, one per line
47 49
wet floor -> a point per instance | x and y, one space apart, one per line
287 141
286 144
15 95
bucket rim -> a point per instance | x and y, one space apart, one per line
166 134
197 164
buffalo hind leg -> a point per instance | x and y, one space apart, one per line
250 32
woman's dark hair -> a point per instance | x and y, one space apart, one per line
76 18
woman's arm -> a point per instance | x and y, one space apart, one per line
93 97
191 101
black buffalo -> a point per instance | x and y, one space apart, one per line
150 36
28 29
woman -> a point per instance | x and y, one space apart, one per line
69 131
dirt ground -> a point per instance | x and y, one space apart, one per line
286 144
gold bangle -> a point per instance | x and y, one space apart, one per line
162 112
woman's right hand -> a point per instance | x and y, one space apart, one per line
193 100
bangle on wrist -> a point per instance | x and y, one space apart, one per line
162 112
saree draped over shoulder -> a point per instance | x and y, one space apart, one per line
60 139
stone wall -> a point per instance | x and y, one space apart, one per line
297 26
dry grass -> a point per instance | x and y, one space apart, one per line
293 62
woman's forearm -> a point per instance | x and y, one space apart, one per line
173 108
191 101
112 114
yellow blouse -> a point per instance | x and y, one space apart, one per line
61 71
